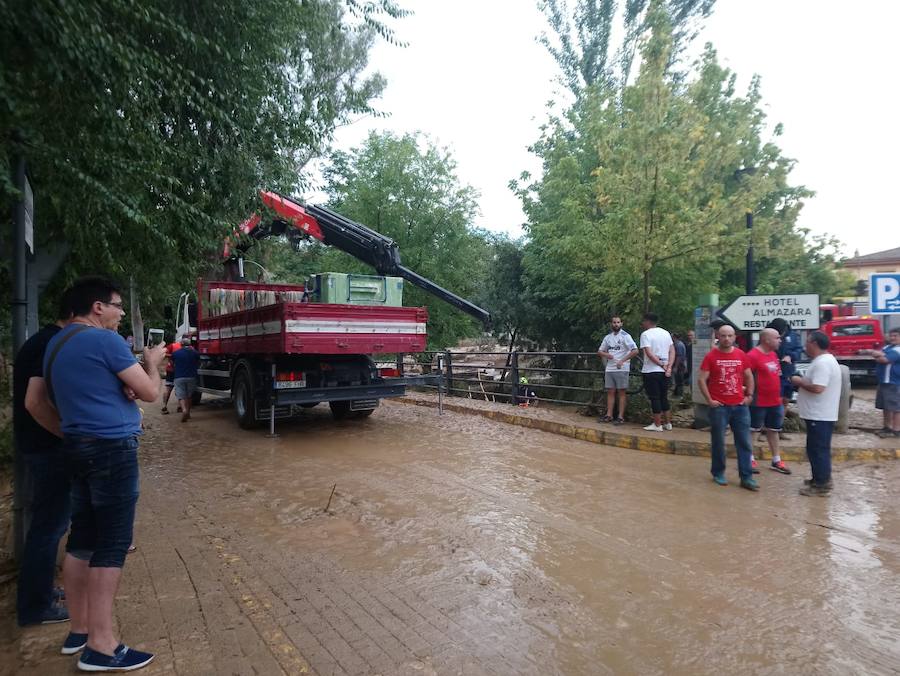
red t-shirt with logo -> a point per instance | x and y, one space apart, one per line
766 369
726 375
171 348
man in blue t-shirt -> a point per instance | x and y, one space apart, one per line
185 361
888 372
88 369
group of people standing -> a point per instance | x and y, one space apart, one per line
77 425
661 358
744 391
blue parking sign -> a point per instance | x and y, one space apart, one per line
884 294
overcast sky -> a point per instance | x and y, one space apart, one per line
474 79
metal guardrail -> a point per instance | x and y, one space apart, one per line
568 378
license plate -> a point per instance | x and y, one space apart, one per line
289 384
858 372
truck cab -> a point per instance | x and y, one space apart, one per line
848 336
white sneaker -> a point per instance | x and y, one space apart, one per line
667 427
653 427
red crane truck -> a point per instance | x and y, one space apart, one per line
272 347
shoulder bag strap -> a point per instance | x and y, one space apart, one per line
48 372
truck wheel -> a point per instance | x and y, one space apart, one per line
196 397
339 409
242 396
363 414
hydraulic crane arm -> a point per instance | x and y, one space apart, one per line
372 248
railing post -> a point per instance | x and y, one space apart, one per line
514 372
449 357
399 363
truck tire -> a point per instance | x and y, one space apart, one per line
363 414
196 397
339 409
243 396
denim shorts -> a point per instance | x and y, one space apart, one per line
768 417
185 387
104 475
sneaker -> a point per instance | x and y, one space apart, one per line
165 411
53 615
653 427
667 427
749 484
606 419
828 484
886 433
124 659
754 466
619 421
815 491
74 643
720 479
780 467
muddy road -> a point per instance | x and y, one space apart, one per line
456 545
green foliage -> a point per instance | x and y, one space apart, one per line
643 198
503 289
582 39
149 126
404 188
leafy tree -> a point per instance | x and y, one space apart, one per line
644 192
503 289
149 126
582 38
406 188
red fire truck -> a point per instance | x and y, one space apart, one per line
273 348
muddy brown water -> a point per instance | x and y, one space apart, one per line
457 545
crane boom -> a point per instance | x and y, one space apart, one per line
298 221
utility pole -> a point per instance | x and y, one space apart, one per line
751 272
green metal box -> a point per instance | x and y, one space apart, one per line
346 289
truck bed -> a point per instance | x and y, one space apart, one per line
314 328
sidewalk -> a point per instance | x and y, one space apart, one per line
854 446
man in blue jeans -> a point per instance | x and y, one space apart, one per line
818 400
726 382
38 440
87 368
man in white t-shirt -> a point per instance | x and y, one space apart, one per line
817 402
617 348
659 357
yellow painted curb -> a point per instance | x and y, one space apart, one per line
651 444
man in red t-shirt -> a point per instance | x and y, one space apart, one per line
727 384
767 411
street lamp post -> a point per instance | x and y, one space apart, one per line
751 272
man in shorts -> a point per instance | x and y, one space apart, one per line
185 361
171 349
767 410
659 358
617 348
888 396
88 370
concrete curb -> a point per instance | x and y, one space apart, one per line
650 444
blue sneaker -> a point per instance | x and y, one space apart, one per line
749 484
53 615
720 479
74 643
124 659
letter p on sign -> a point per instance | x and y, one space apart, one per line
885 294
